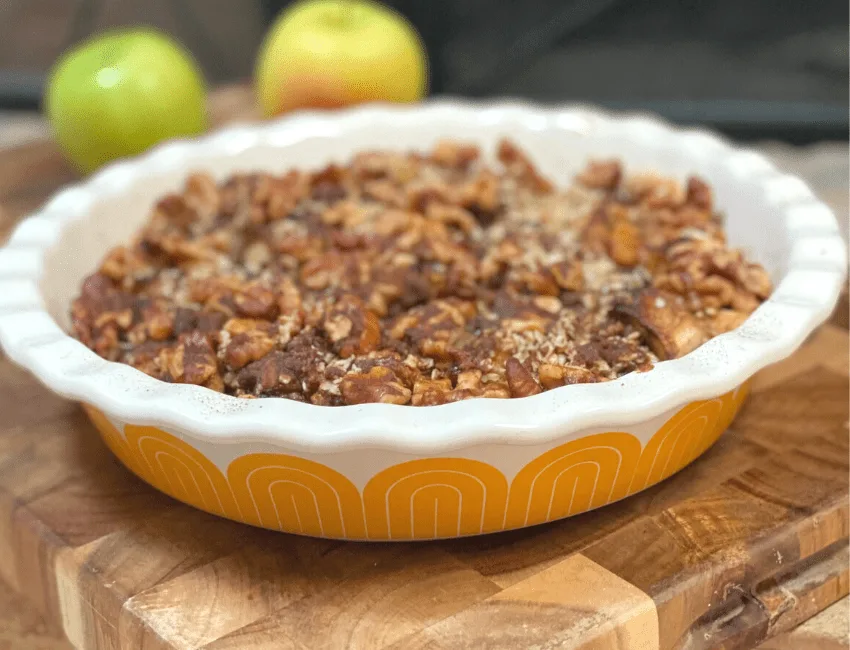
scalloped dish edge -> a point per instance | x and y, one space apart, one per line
33 339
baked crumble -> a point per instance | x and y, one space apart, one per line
419 279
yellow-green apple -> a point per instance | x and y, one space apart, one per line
331 53
121 92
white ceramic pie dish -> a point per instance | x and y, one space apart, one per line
773 216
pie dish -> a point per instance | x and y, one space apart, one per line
383 471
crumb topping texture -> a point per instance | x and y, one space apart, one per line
417 279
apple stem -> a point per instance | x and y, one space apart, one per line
343 14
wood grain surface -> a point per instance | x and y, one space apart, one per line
742 546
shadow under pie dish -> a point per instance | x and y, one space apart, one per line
435 279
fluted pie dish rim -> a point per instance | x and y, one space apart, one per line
806 291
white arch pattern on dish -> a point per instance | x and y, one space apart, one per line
437 508
168 475
575 487
169 461
294 504
273 502
139 445
395 483
681 427
531 489
686 449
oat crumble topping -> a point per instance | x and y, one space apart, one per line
419 279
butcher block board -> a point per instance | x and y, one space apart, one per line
746 543
742 546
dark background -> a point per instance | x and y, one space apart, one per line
754 68
751 68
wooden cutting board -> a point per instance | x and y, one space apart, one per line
743 545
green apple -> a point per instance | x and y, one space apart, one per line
331 53
121 92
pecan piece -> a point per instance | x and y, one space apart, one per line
421 195
256 301
123 319
481 197
452 215
284 194
568 275
670 330
385 192
519 165
755 280
455 154
699 194
144 357
157 320
744 302
655 191
552 376
380 384
469 380
123 263
322 271
601 174
272 374
725 320
106 341
248 346
338 327
548 304
431 392
237 326
625 243
496 390
257 255
538 281
520 381
351 327
170 363
176 210
290 297
715 291
199 359
202 195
